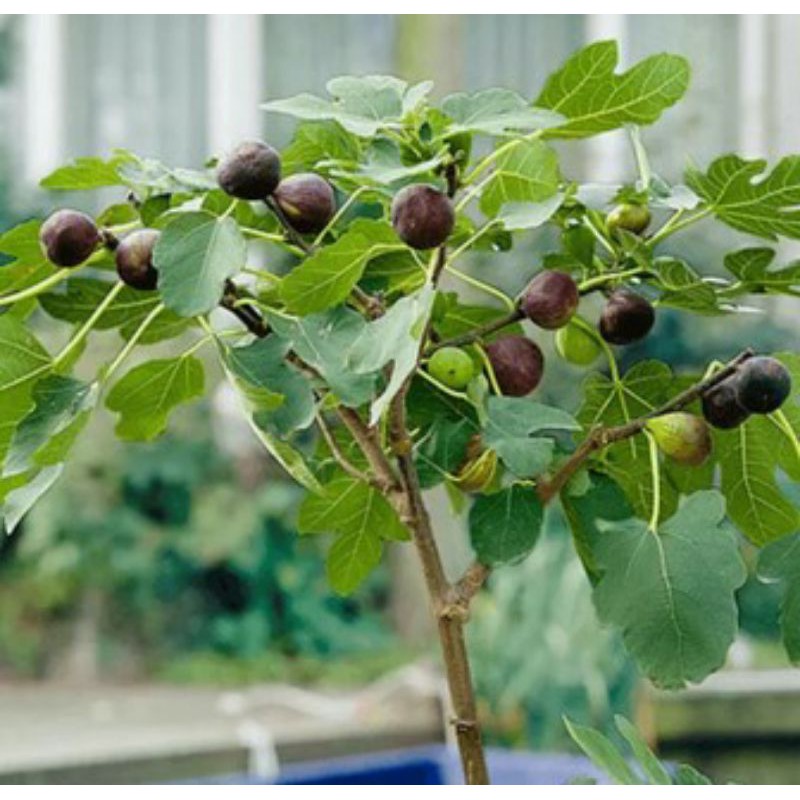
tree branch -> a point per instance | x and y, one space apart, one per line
247 315
598 439
476 334
338 456
291 234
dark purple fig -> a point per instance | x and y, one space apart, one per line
517 363
626 318
307 201
68 238
629 217
134 258
422 216
763 384
250 171
721 406
550 299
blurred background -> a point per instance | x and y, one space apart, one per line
156 607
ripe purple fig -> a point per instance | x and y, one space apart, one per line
763 383
517 363
134 259
422 216
68 238
307 201
251 171
626 318
721 406
550 299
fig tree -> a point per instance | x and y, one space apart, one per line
307 201
422 216
721 407
68 238
251 171
629 217
518 364
576 346
763 384
626 318
452 366
683 437
134 259
550 299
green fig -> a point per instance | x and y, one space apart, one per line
577 346
683 437
452 366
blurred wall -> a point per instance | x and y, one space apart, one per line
183 87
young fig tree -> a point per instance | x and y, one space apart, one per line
352 324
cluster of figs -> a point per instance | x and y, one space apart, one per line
424 217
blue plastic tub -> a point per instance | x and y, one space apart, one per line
435 764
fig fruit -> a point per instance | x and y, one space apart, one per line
576 346
251 171
683 437
550 299
762 385
307 201
629 217
626 318
68 238
134 259
721 407
452 366
422 216
517 363
478 472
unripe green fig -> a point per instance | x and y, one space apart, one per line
721 407
629 217
550 299
134 259
452 366
762 385
307 201
68 238
517 363
422 216
683 437
626 318
479 468
577 346
251 171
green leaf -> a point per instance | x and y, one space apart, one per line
526 173
671 592
687 775
748 458
602 753
459 319
264 376
496 111
594 99
384 166
682 287
88 173
24 359
442 449
60 405
644 387
30 265
150 178
652 768
751 267
362 519
327 277
146 395
360 105
21 499
742 194
511 423
524 216
780 561
77 300
392 339
314 142
323 341
604 500
286 455
196 253
505 526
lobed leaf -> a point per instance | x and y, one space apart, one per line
495 112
